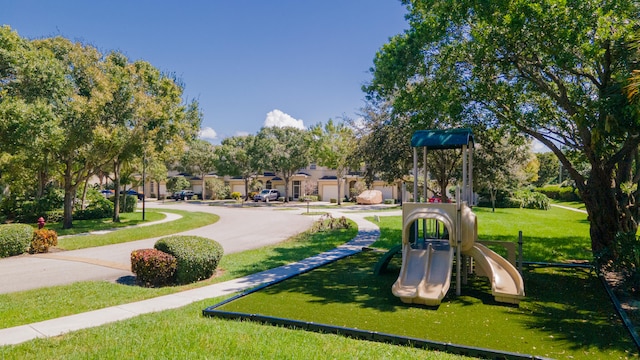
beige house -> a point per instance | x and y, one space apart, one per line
312 180
315 180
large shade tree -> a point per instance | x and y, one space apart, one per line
236 156
285 150
553 70
334 147
200 159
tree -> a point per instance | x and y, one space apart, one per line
33 86
552 70
284 150
200 159
498 163
333 147
237 156
549 168
177 183
77 115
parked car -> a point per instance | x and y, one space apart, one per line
107 193
267 195
183 195
140 196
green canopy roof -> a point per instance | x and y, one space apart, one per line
442 139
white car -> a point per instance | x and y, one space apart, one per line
267 195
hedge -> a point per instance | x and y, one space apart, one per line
153 267
15 239
197 257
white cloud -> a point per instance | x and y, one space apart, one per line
208 133
279 119
242 133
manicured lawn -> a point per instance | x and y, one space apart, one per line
189 220
48 303
566 313
126 219
185 334
555 235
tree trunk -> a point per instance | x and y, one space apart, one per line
494 194
116 186
69 195
602 207
204 188
286 189
84 194
339 198
246 189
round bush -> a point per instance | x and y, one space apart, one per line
15 239
153 267
197 257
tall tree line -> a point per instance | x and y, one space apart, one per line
68 111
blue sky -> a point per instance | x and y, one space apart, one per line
246 62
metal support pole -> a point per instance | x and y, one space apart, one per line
471 197
464 173
424 168
415 175
458 243
520 252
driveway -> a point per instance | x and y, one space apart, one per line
237 230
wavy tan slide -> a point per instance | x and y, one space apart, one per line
425 276
506 283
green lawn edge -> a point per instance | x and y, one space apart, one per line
189 220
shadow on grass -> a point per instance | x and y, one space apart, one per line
565 309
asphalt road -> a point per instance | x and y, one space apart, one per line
237 230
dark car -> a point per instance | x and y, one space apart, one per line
183 195
267 195
140 196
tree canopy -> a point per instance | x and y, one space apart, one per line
67 110
553 70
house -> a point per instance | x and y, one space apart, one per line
312 180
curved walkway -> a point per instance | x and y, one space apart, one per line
368 233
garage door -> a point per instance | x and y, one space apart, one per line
238 188
387 191
329 192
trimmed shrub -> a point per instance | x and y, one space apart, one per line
236 195
532 199
389 201
54 216
328 222
309 198
15 239
197 257
129 203
153 267
557 192
99 208
42 240
333 201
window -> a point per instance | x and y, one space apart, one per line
312 166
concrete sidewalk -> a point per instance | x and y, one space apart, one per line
367 234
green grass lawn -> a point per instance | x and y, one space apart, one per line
126 219
189 220
185 334
566 313
554 235
47 303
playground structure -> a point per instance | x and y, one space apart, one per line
433 234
